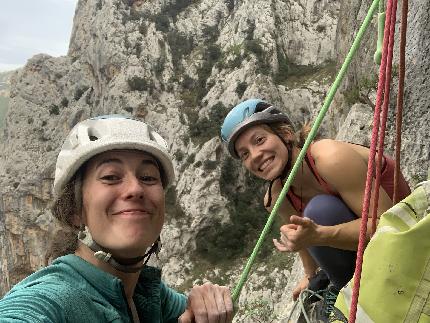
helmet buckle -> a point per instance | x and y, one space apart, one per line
103 256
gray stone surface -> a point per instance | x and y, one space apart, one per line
179 69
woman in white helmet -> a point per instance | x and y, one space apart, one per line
110 179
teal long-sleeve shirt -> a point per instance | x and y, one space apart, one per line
73 290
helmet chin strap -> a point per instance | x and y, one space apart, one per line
284 172
133 264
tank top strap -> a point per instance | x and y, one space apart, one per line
311 164
295 201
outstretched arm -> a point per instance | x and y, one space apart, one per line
285 211
345 171
28 307
303 232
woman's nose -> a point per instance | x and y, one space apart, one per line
255 155
134 188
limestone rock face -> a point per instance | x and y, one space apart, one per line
416 117
180 66
4 94
361 79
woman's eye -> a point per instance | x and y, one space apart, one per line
259 140
110 178
244 156
148 179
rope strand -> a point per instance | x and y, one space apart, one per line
384 117
366 200
400 93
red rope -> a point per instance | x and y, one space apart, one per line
390 20
399 109
384 117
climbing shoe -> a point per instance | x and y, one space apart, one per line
313 294
318 284
324 310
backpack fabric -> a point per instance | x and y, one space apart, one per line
395 280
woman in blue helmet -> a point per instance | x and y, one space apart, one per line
322 208
109 189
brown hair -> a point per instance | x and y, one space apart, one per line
286 131
66 208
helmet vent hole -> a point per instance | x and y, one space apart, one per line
93 138
261 106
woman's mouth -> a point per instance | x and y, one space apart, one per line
266 163
132 213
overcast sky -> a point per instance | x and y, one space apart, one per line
30 27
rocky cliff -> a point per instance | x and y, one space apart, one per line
4 94
181 65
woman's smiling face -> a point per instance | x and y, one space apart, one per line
262 152
123 201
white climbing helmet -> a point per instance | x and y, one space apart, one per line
96 135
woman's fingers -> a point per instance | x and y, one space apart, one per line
228 301
186 317
279 245
224 304
298 220
210 304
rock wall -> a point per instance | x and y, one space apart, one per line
180 65
360 82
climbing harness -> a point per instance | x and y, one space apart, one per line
301 301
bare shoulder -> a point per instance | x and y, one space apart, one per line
334 158
329 149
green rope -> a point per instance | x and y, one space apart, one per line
378 53
311 136
381 24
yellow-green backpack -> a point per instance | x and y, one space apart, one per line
395 280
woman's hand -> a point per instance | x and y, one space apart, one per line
300 233
208 303
303 284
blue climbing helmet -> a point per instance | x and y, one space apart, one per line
245 115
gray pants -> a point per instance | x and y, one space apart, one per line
339 264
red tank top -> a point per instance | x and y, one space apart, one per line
295 199
387 178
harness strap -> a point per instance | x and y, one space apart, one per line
285 171
135 265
